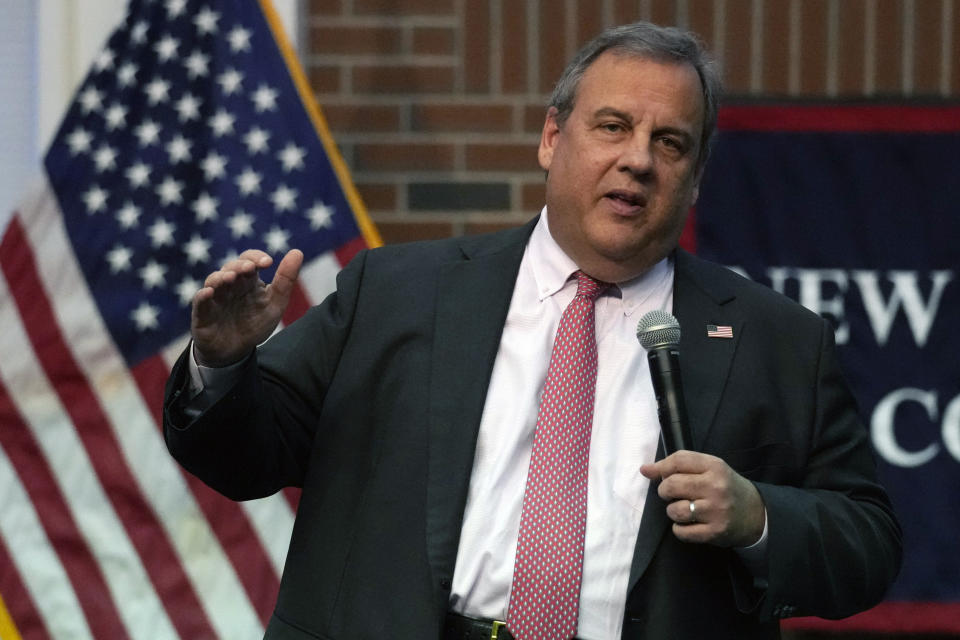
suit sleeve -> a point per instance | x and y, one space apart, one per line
256 439
834 542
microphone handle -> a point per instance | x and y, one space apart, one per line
668 388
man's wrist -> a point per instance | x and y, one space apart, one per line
212 379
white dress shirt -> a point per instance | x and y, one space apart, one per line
625 435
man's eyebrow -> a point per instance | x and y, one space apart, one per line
603 112
611 111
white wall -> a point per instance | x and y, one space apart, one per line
46 47
18 99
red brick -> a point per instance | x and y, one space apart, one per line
851 48
663 12
325 7
502 157
625 11
889 41
403 7
737 47
955 54
403 79
589 22
926 47
378 196
533 195
475 228
433 41
701 22
363 117
515 43
776 47
534 117
553 51
461 117
813 62
324 80
394 232
402 157
355 40
476 34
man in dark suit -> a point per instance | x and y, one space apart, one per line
406 406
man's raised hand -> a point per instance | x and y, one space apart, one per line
235 310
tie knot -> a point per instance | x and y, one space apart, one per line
588 287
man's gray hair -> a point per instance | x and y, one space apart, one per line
651 42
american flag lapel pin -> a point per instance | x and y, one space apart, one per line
719 331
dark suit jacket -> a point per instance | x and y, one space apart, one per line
373 400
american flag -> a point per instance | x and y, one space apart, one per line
719 331
192 138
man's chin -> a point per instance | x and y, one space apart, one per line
620 263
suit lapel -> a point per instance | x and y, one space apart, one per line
472 301
699 300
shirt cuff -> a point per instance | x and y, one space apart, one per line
211 383
754 556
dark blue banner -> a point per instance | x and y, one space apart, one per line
855 213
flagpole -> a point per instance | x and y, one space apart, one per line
8 631
367 228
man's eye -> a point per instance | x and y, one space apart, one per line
672 144
612 127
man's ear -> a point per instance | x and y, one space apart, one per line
696 185
548 139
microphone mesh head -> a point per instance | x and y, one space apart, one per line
658 329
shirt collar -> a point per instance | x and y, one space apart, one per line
552 269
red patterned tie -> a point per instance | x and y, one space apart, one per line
545 595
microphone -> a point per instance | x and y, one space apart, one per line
659 333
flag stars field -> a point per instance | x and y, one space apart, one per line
128 216
230 81
197 64
284 199
138 175
158 91
167 48
148 133
79 141
206 21
222 123
264 98
205 208
214 166
291 157
175 135
127 75
188 108
256 140
239 39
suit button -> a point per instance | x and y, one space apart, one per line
445 583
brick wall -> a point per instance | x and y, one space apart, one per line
437 105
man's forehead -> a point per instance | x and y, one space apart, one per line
639 78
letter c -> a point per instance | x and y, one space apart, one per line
951 428
882 427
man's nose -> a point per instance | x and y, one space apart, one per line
636 157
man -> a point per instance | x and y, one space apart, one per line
408 406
